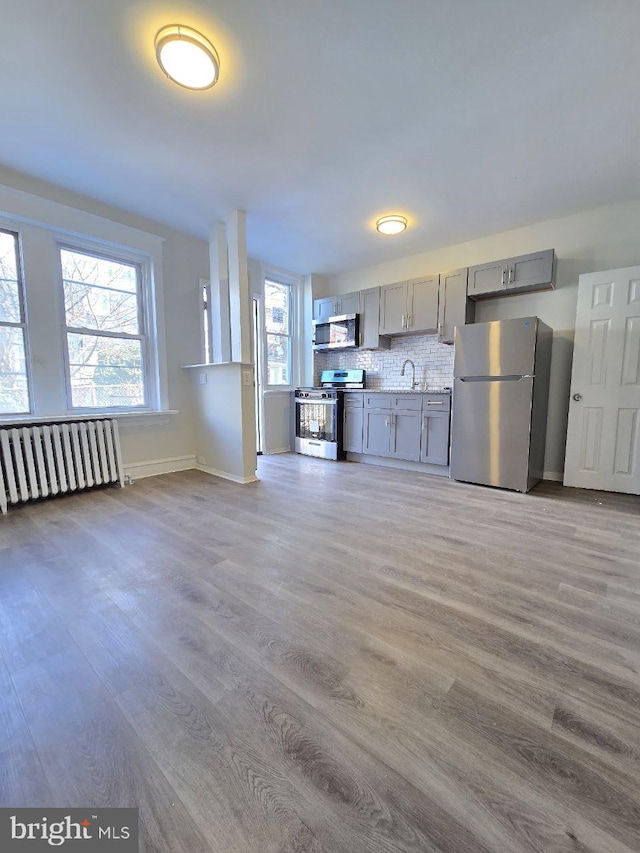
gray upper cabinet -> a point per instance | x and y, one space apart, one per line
370 337
336 306
487 278
409 306
393 308
348 303
324 308
454 306
422 305
532 272
513 275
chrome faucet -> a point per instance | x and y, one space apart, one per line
414 384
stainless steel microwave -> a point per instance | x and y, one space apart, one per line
336 332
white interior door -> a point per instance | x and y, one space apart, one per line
604 431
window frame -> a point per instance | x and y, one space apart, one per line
143 286
206 325
283 280
23 324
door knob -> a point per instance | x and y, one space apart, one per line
577 397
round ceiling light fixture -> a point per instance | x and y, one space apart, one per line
187 57
389 225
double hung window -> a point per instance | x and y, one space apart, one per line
105 334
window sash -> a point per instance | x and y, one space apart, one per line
21 324
288 335
142 336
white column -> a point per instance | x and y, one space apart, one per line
219 314
239 296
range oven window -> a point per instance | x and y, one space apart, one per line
316 421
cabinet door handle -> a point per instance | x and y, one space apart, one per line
440 330
435 403
409 320
510 274
503 274
403 318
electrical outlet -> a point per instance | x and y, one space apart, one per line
247 377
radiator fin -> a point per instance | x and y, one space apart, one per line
49 459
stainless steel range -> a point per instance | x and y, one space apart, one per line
319 413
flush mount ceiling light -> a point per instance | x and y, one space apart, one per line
390 225
187 57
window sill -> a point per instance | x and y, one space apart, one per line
137 419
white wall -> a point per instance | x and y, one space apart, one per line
148 444
605 238
224 420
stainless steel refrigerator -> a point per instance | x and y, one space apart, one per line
500 395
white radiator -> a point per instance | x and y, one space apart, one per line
50 459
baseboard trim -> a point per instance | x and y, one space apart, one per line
225 475
277 450
553 475
399 464
155 467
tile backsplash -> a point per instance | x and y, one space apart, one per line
433 361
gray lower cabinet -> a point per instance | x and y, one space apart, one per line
412 427
353 429
435 438
405 435
376 432
392 433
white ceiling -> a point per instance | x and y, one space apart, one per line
471 116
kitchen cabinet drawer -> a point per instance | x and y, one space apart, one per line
407 402
353 401
436 402
377 401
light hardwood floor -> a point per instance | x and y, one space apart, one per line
337 659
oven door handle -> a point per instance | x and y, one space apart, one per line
316 402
